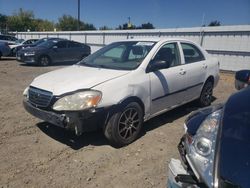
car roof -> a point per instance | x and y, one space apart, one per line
159 39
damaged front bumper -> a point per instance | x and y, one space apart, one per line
79 121
178 174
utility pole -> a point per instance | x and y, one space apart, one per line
78 23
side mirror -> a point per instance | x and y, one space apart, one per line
157 65
242 79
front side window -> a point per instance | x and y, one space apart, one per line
191 53
126 55
169 54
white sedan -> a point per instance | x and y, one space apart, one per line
123 85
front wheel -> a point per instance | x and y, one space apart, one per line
124 126
206 94
44 61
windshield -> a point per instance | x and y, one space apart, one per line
119 55
47 43
235 140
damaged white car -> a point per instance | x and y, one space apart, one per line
122 85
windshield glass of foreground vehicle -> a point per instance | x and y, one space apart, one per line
120 55
235 141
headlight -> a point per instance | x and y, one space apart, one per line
78 101
29 53
206 133
201 152
26 92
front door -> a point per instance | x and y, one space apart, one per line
167 84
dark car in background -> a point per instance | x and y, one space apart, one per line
4 49
8 39
53 51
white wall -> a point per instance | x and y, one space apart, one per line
230 44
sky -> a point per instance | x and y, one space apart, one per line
161 13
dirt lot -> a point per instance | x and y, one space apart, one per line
35 154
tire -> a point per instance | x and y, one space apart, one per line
124 125
44 61
206 94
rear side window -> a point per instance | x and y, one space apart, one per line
74 45
62 44
191 53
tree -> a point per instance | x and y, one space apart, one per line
214 23
146 26
105 28
69 23
3 22
21 21
43 25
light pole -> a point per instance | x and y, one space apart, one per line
78 23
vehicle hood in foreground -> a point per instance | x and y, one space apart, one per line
74 78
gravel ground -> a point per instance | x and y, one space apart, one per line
36 154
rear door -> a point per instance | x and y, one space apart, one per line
167 84
196 69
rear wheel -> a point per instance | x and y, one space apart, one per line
206 94
124 126
44 61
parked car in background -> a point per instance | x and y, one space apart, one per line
36 43
8 39
242 79
20 42
4 49
122 85
53 51
215 148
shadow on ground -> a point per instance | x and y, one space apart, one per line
69 138
97 138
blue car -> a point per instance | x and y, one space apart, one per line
4 49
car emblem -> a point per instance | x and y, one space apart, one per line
36 96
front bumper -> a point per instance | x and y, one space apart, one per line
79 121
26 59
178 176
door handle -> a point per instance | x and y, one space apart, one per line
182 72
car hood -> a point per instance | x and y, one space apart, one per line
74 78
32 49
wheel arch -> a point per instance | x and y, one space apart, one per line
133 99
210 79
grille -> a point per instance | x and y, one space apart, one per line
39 98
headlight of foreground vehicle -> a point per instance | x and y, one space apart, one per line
201 152
78 101
29 53
26 92
206 133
